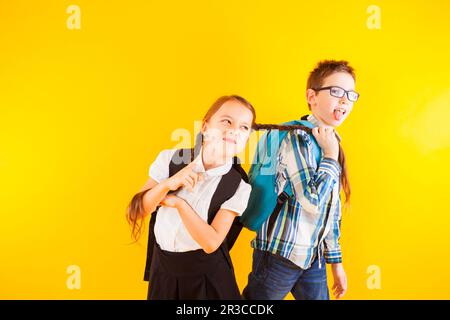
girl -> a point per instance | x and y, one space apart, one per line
186 262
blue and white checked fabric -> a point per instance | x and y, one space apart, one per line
309 223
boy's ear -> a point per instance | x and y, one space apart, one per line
310 96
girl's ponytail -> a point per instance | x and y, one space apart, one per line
134 215
344 182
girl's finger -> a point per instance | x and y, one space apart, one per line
188 167
197 160
192 164
188 186
189 178
194 176
189 181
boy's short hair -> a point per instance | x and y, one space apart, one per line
325 68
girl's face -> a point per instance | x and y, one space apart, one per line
229 128
332 111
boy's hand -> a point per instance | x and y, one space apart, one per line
326 138
340 280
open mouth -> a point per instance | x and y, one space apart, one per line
229 140
339 113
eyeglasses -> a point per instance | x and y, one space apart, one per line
338 92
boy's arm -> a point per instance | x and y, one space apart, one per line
312 188
332 250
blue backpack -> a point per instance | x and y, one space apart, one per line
264 202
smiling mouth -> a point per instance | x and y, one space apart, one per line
229 140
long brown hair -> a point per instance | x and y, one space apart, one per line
345 184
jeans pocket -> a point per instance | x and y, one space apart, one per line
259 269
277 260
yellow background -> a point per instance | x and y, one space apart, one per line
84 112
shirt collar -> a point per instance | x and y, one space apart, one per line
316 122
217 171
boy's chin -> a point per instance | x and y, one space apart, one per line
336 123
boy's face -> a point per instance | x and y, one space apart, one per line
332 111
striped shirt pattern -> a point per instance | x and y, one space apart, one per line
309 222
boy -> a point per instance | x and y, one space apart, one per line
305 234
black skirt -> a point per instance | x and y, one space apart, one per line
191 275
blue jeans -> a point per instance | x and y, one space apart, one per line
273 276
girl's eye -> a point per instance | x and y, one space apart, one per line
245 127
228 121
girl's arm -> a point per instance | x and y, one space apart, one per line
209 237
186 177
155 194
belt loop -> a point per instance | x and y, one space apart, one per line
319 255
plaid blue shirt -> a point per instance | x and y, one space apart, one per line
309 223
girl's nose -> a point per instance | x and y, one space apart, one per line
232 132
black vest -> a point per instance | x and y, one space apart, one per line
226 188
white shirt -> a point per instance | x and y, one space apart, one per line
170 232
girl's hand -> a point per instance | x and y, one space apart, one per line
340 280
326 138
171 201
186 177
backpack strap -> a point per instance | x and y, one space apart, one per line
150 245
282 198
179 160
226 189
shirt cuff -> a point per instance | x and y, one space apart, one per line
330 166
334 256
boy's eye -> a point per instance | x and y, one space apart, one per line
226 120
337 92
245 127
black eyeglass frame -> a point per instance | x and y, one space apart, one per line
345 92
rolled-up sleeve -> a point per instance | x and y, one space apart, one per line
332 252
